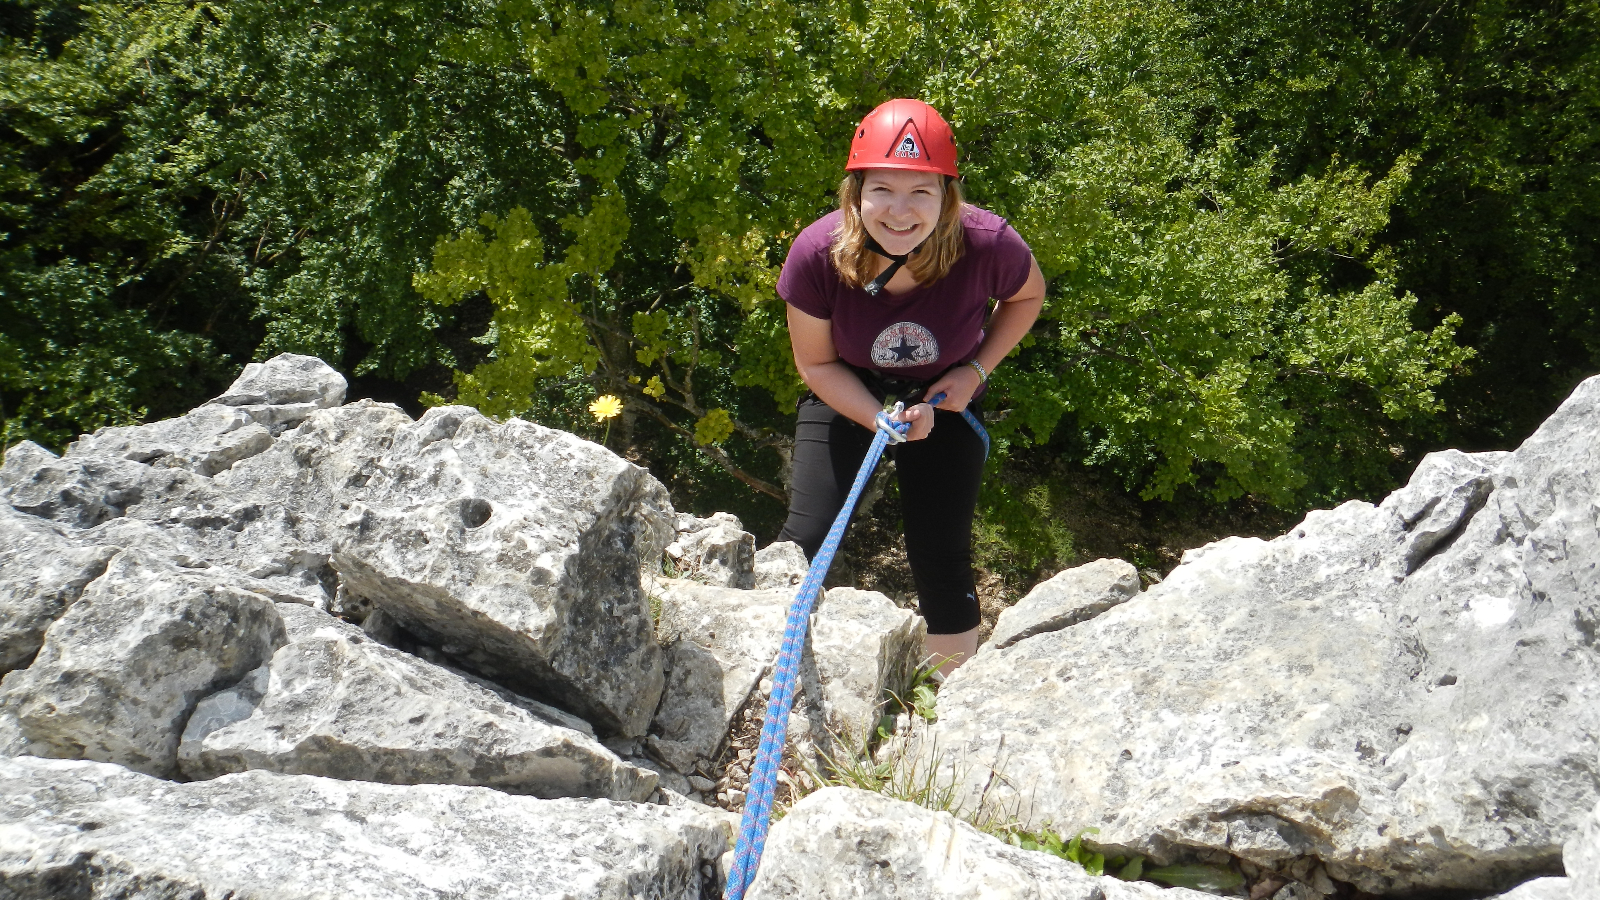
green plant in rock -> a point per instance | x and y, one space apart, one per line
920 698
891 767
1216 879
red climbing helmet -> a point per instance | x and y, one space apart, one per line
904 134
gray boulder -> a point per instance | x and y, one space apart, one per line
843 843
122 669
42 573
84 491
20 459
514 548
284 390
76 829
263 401
335 703
719 643
781 565
1407 693
715 550
205 441
860 647
1073 596
722 643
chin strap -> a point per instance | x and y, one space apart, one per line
895 262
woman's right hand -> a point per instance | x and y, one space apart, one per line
921 417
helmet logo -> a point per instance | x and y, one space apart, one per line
907 148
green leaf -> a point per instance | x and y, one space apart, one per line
1198 877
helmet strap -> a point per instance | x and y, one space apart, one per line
895 262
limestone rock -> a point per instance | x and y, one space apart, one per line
122 669
843 843
207 440
860 646
1408 693
284 390
1541 889
1582 858
1073 596
719 643
82 492
42 573
77 829
514 548
265 400
722 642
335 703
715 551
781 565
20 460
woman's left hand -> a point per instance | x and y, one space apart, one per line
958 385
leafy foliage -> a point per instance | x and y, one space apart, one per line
1263 228
188 185
1494 102
1193 325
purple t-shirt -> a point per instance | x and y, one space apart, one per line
926 330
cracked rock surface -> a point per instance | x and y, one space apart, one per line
80 829
1407 693
121 671
333 702
513 548
843 843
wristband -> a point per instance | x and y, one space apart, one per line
983 374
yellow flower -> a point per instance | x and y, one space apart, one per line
605 407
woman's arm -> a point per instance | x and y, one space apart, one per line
1012 318
826 374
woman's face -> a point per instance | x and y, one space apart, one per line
901 208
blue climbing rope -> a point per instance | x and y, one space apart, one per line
764 772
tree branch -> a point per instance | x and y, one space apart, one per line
717 454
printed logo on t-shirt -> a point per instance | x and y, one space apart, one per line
904 344
907 148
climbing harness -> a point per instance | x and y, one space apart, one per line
764 772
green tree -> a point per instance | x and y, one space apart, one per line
1495 102
1193 327
187 185
566 198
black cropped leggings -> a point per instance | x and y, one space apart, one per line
939 478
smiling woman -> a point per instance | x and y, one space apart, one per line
887 299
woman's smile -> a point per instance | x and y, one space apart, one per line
900 208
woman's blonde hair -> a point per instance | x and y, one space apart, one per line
856 264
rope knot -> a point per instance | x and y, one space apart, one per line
895 430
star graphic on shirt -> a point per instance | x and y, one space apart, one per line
904 350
